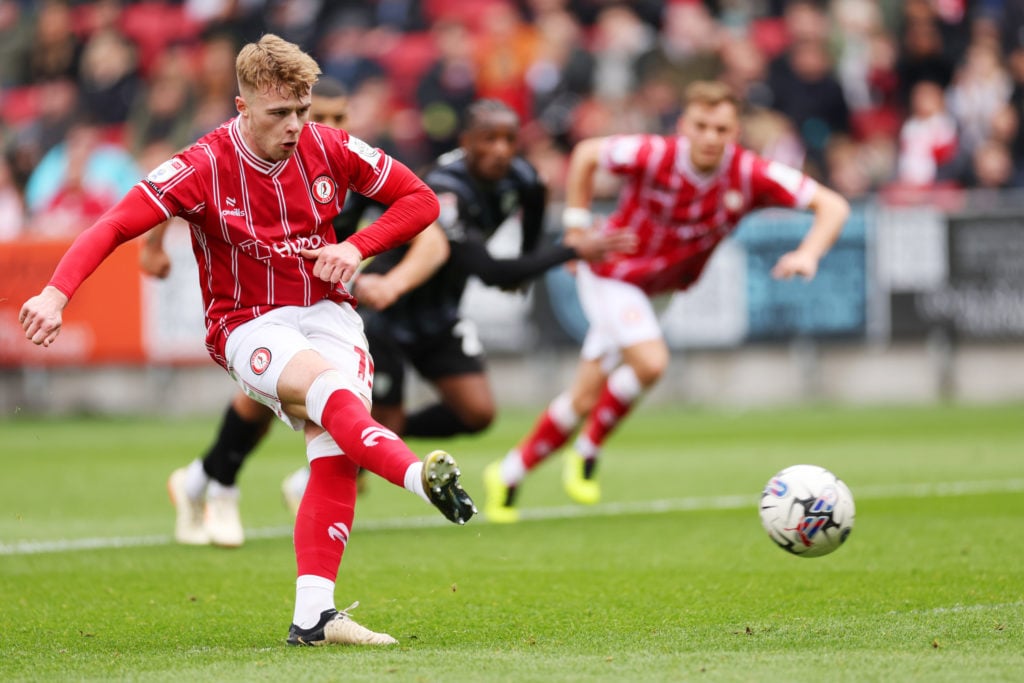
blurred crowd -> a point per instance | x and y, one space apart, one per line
868 95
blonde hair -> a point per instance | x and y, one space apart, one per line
273 62
711 93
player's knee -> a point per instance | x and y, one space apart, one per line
478 418
650 367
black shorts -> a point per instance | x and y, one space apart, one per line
456 351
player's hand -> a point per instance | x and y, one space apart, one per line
153 260
802 263
40 316
334 263
591 245
374 291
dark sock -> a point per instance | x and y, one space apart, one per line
435 420
234 442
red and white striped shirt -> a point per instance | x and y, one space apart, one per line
679 215
250 217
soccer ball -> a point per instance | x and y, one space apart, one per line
807 510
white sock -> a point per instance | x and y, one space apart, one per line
313 595
196 480
512 468
414 480
218 490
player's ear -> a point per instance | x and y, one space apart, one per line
241 106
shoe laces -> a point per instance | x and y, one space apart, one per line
345 612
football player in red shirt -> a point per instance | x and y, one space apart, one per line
259 194
204 492
681 196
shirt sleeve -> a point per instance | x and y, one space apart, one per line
625 154
776 184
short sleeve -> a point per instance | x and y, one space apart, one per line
776 184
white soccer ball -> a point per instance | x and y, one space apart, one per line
807 510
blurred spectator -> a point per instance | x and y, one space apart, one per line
55 49
12 209
980 88
505 49
560 76
619 39
15 33
57 112
922 57
75 203
686 48
846 168
215 84
241 19
771 135
163 110
345 53
104 169
991 167
108 78
805 89
928 139
448 86
745 70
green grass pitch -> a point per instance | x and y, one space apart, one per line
670 578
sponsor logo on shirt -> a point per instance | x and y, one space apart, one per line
166 171
264 252
259 361
364 151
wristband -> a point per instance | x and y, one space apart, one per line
575 217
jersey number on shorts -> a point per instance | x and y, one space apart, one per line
466 331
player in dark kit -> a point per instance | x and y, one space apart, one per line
480 185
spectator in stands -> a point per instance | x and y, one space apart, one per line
346 53
109 170
991 167
686 48
928 138
108 78
505 48
448 86
981 86
214 82
164 109
805 89
922 57
15 34
55 49
559 77
618 40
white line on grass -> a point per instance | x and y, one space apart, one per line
695 503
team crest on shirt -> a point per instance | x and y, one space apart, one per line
324 189
166 171
259 361
733 201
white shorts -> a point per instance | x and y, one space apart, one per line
258 350
620 315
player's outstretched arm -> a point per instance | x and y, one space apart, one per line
427 252
830 213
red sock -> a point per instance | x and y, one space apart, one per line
605 417
546 438
365 441
325 516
